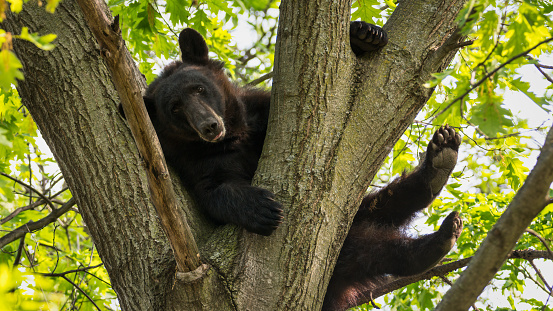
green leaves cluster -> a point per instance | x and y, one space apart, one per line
151 30
470 95
498 143
507 35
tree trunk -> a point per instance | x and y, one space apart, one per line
334 119
69 93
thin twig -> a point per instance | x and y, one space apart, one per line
264 77
477 84
33 226
540 275
83 269
82 291
42 196
542 240
17 259
31 206
543 73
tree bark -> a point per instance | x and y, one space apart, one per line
121 65
71 97
334 119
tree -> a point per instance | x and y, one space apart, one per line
334 120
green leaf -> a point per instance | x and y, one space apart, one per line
365 10
491 118
16 5
9 69
515 171
42 42
178 11
51 5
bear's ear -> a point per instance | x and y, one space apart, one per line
193 47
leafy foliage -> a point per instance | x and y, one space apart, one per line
472 95
497 147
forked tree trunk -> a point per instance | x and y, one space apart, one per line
334 119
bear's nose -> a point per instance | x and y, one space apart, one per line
211 130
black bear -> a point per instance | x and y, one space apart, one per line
377 246
212 134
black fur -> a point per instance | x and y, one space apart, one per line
212 133
377 245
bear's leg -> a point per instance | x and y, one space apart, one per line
371 253
415 256
396 203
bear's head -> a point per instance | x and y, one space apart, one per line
194 100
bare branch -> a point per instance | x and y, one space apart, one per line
84 269
264 77
33 226
539 68
42 196
542 240
548 77
81 290
120 64
17 259
20 210
30 206
540 275
440 271
525 206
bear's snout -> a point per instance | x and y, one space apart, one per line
212 129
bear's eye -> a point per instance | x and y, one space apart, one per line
200 89
174 109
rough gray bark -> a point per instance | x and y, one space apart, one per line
334 120
71 97
107 32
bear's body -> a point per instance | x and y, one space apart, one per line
212 133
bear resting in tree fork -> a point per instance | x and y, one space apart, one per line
212 134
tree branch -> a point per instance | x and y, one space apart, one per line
30 206
84 269
17 258
81 290
542 240
42 196
439 271
264 77
33 226
548 77
120 64
525 206
477 84
547 288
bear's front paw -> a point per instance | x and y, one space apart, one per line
365 37
265 213
441 156
450 230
